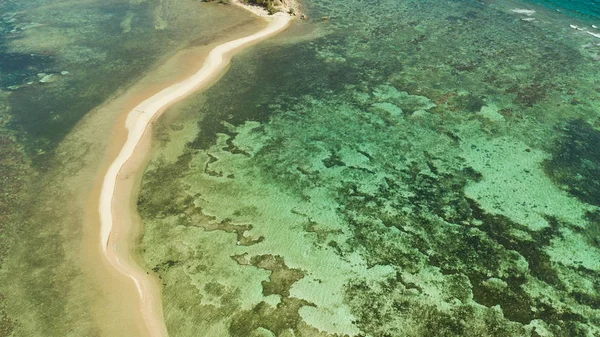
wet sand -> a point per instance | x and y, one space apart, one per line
115 196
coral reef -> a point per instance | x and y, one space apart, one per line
396 190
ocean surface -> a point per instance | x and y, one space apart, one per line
383 168
587 8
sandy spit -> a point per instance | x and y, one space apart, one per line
138 123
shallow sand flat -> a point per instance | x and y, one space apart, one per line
140 116
116 221
80 157
514 184
53 283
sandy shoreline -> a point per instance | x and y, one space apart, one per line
114 221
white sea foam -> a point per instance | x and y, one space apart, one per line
528 12
594 34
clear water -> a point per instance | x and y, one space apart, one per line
385 168
587 8
60 60
408 168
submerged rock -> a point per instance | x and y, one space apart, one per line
47 78
407 102
491 112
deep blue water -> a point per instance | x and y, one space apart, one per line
586 8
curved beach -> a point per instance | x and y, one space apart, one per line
138 122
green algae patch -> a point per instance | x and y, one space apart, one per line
575 162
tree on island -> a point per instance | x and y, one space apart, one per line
272 6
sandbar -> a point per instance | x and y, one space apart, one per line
138 124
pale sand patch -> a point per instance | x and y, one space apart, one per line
514 184
115 214
116 304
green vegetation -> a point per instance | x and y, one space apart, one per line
272 6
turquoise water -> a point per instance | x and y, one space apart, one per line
588 8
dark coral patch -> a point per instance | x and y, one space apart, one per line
575 162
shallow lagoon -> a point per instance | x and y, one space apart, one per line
385 168
389 168
60 61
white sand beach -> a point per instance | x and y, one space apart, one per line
138 123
